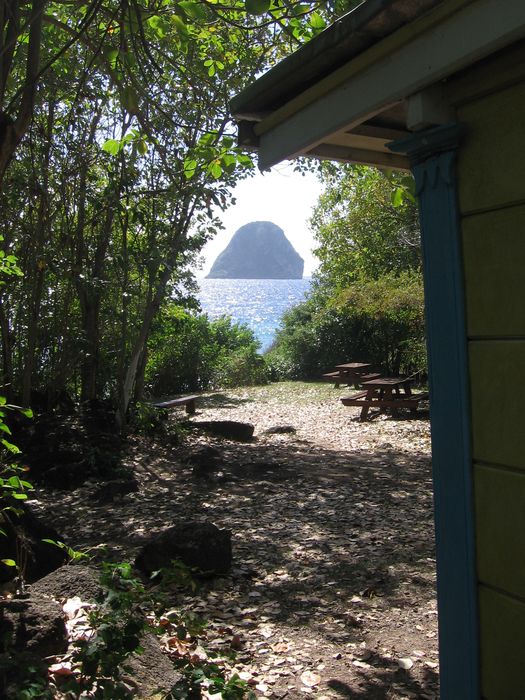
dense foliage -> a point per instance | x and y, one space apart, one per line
116 152
188 352
367 298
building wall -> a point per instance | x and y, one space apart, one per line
490 101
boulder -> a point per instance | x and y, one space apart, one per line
258 250
34 624
230 429
205 460
280 430
69 475
199 545
69 581
151 672
41 557
115 489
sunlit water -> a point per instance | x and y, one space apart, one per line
257 303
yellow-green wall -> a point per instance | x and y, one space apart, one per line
491 169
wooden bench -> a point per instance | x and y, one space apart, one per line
365 402
187 401
335 378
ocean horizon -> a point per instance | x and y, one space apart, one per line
257 303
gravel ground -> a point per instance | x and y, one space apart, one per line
332 593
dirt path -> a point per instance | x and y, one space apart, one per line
332 591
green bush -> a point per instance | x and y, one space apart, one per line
188 352
380 321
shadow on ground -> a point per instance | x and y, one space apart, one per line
333 548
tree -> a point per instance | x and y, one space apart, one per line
365 224
128 150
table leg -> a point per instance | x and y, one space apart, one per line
364 413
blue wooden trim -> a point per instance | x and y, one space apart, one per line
433 155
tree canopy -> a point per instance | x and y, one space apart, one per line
116 152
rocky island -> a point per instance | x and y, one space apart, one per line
258 250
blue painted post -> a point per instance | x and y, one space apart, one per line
432 156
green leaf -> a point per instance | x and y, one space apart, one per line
9 446
8 562
316 21
111 146
195 10
229 162
190 168
397 197
112 57
180 26
215 169
20 496
130 100
257 7
158 25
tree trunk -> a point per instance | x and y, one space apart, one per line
91 330
7 354
141 372
128 384
41 238
12 131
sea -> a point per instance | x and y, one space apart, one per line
259 304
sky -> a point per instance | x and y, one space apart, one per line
280 195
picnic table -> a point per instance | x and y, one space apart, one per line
385 393
351 373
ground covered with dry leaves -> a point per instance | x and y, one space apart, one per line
332 592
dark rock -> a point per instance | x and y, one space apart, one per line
117 488
68 476
67 455
258 250
199 545
150 672
205 454
205 460
35 624
280 430
69 581
28 530
233 430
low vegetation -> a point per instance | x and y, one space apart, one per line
188 352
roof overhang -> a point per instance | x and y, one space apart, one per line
371 78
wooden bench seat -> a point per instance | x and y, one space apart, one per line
355 399
368 377
187 401
335 378
330 376
362 400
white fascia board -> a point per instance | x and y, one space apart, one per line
470 33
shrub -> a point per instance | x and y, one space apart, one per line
380 321
188 352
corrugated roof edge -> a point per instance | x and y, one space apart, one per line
347 37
